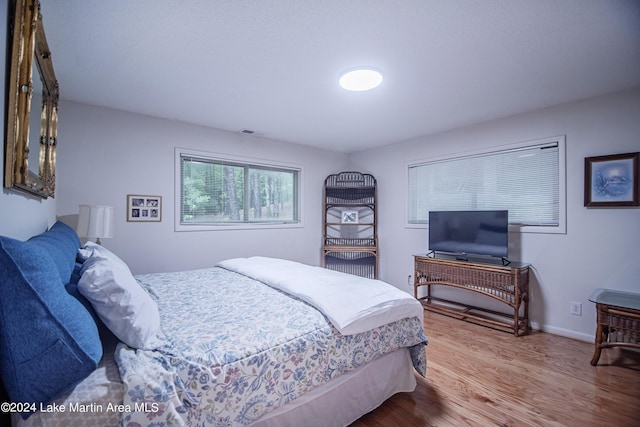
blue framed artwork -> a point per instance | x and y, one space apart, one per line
611 180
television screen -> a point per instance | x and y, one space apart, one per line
469 232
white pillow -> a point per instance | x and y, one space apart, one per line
91 248
122 304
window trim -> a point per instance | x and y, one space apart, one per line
180 227
561 228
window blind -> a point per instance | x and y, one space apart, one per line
523 180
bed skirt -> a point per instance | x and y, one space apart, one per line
337 403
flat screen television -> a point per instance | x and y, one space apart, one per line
469 232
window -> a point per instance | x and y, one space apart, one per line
215 192
526 179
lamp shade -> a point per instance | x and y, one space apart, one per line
95 222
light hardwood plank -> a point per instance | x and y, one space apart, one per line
478 376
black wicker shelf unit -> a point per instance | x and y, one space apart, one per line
350 240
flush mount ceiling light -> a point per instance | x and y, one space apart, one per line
360 79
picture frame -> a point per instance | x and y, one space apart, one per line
611 181
350 217
142 208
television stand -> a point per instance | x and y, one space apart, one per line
508 284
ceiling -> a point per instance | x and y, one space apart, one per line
272 66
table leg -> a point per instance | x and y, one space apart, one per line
598 350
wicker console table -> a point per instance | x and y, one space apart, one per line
618 320
507 284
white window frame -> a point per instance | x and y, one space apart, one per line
179 226
561 228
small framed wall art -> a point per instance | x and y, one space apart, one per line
144 208
349 217
611 180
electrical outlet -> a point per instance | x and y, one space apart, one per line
575 308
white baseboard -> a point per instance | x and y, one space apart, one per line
564 332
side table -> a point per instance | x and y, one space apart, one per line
618 321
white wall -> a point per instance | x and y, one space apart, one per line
21 216
105 154
601 247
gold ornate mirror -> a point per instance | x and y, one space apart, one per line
32 108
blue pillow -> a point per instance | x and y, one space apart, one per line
49 340
62 244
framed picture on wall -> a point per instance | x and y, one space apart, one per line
144 208
349 217
611 180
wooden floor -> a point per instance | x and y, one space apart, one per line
477 376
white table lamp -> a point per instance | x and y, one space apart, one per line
95 222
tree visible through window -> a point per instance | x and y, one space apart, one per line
219 192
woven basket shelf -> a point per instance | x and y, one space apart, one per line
347 196
338 242
350 247
358 263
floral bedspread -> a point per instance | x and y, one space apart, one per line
235 349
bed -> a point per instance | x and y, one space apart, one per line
249 341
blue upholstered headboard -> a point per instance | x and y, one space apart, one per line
49 339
